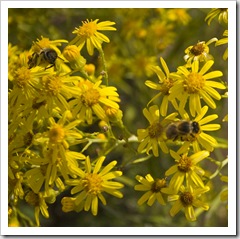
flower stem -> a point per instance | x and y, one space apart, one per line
104 72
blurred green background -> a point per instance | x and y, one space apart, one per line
142 36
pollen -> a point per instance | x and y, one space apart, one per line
88 29
166 86
90 97
43 43
198 49
184 164
155 130
194 83
32 199
52 84
92 183
186 199
158 184
23 76
56 134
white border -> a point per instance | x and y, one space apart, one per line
231 229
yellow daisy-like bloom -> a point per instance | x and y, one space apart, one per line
222 12
25 82
153 187
38 201
165 83
196 85
198 52
200 138
57 90
88 33
92 98
154 136
223 41
93 183
187 199
187 168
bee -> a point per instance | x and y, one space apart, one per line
182 130
48 55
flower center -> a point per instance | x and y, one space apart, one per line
56 134
166 86
92 183
36 105
197 49
32 199
23 76
88 29
158 184
194 82
155 130
27 139
43 43
184 164
90 97
52 84
186 199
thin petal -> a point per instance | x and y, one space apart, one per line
208 99
95 205
175 208
190 214
208 119
206 67
212 92
98 164
213 74
144 198
211 127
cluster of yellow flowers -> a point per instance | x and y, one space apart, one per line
55 96
187 90
50 109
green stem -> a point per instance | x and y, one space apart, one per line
221 165
105 75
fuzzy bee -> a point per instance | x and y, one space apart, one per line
45 55
182 130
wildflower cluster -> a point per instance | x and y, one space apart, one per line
183 98
54 97
74 139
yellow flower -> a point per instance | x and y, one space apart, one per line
223 41
198 52
92 98
57 90
222 18
38 202
196 85
153 136
187 199
88 33
165 83
93 183
153 188
201 138
187 168
25 82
